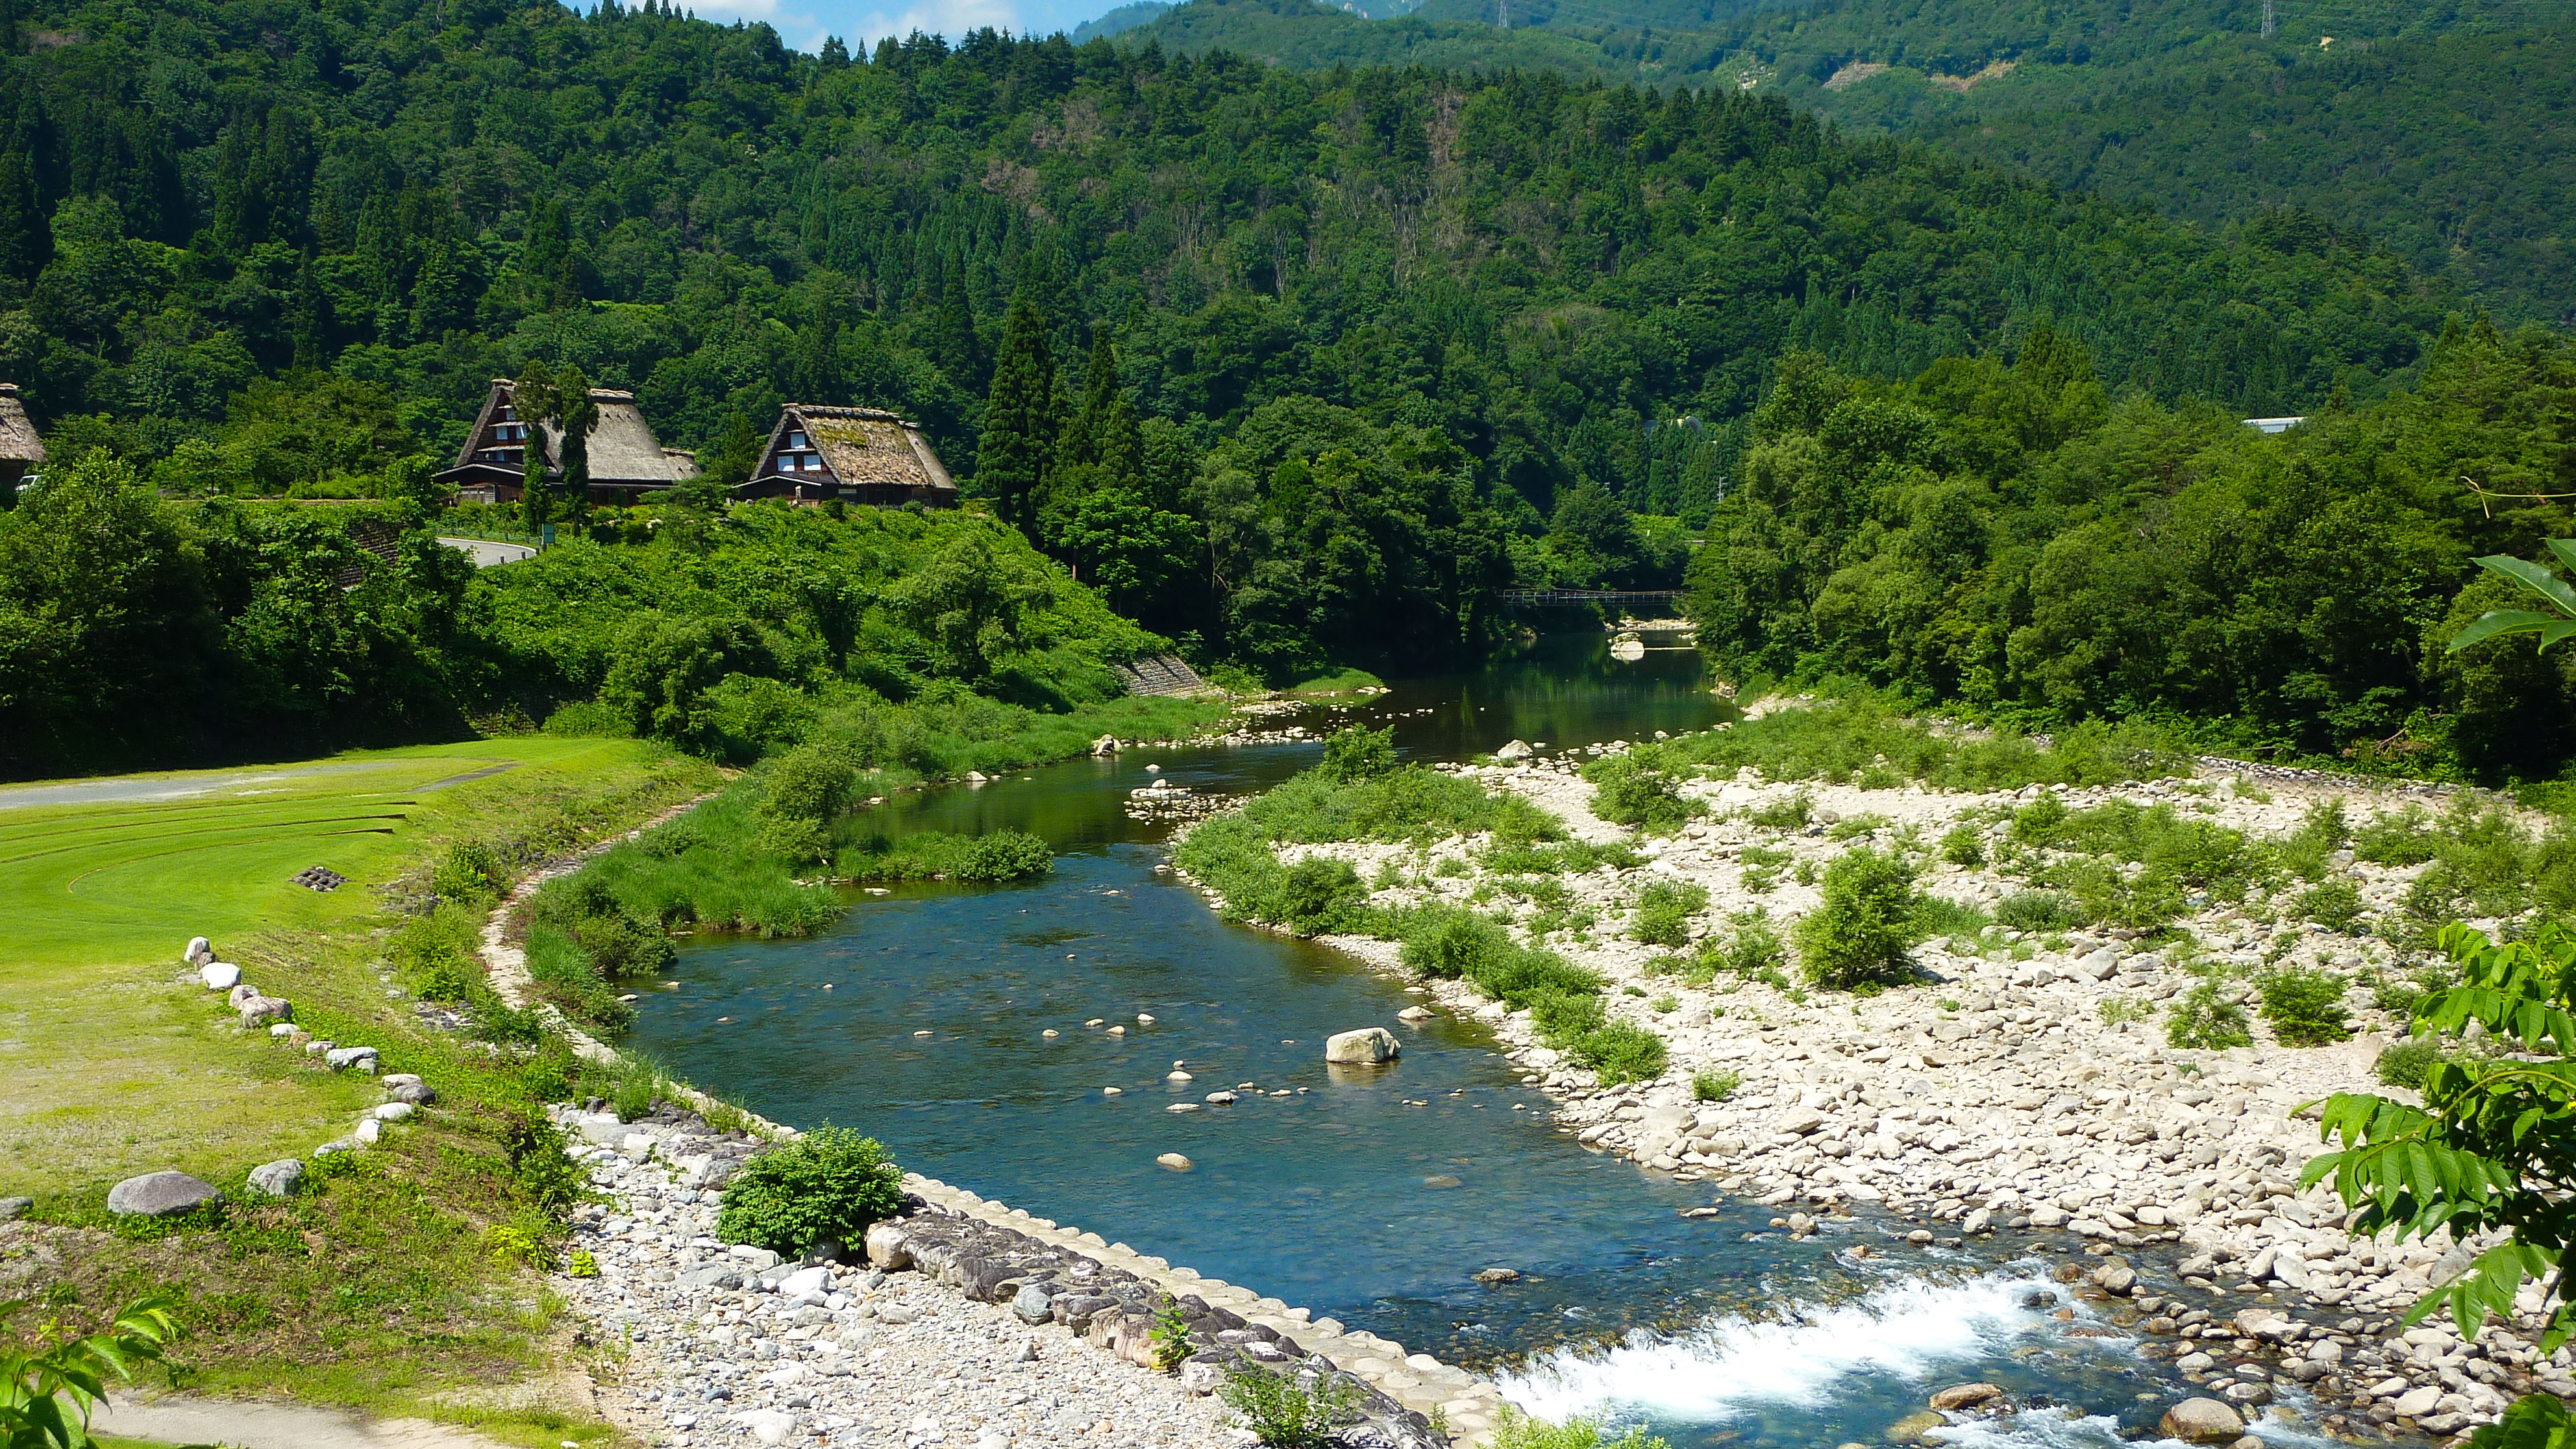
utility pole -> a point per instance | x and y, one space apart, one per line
1503 8
2268 24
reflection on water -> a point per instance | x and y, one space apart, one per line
1371 1195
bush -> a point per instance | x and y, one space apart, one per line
1007 855
1282 1411
1791 813
549 1179
1620 1052
469 872
998 855
1450 943
1663 912
1628 791
2037 911
1715 1086
1320 894
1964 844
2204 1021
2304 1007
1941 916
824 1187
2335 905
1859 935
1755 950
2406 1063
1358 754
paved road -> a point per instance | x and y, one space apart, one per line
486 553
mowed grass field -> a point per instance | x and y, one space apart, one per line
115 1060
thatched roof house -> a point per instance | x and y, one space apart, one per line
859 455
626 460
21 451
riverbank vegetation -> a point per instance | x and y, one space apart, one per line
1360 794
400 1280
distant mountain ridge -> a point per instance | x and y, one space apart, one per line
2437 132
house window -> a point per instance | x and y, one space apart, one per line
796 440
509 415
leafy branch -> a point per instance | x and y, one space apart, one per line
46 1396
2537 578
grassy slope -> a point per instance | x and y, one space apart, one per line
111 1065
378 1290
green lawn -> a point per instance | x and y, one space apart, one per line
113 1060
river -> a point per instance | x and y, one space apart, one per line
1375 1198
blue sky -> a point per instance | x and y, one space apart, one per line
804 23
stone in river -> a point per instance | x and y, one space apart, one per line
2202 1421
160 1195
1965 1396
1440 1180
1909 1430
1499 1275
1369 1045
1414 1013
1175 1161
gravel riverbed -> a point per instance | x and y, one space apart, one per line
2002 1094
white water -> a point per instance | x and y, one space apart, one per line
1731 1365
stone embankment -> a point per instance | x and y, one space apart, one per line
2028 1084
968 1324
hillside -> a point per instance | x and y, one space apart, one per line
1292 369
2435 132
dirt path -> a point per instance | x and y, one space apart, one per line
181 1419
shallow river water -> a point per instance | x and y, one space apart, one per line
1373 1197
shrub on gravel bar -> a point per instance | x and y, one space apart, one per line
827 1186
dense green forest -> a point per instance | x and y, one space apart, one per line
1289 368
2015 540
2438 131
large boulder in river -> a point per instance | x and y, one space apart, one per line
2202 1421
160 1195
1367 1046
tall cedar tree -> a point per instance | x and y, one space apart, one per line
1020 423
563 400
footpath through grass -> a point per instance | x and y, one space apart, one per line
398 1282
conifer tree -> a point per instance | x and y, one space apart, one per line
1020 416
26 242
952 328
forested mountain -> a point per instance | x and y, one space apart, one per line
1295 367
2438 131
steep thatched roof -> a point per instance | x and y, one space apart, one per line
18 431
865 445
623 448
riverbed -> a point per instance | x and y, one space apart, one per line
1376 1197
